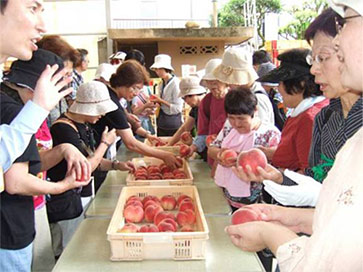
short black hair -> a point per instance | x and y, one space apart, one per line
325 23
83 54
240 100
3 4
136 55
305 85
260 56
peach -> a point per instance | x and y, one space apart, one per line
164 226
171 221
180 176
185 205
168 202
168 176
253 157
186 217
162 215
149 228
151 202
186 138
150 197
229 156
128 228
133 214
134 203
133 197
184 150
151 211
182 197
243 215
210 139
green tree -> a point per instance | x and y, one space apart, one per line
232 14
303 16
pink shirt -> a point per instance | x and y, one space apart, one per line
265 135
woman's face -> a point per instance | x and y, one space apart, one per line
92 119
350 51
132 91
290 100
192 100
217 88
241 122
326 69
160 72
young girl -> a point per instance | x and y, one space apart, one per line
247 132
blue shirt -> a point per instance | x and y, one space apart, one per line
14 138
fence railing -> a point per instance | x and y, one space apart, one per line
118 23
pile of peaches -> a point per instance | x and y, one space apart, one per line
156 172
184 149
152 214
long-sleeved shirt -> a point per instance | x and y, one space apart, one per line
170 93
337 239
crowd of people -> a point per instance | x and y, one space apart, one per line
59 136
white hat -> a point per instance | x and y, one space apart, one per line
105 70
190 85
118 55
92 99
236 68
338 6
162 61
209 68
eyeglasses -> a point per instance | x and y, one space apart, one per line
340 22
319 58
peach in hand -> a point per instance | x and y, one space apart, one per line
254 158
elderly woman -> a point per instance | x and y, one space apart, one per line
336 238
171 105
333 125
299 92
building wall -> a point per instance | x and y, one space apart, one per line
178 50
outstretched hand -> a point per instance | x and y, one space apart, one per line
47 91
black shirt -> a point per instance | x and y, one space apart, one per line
17 211
194 113
64 133
115 119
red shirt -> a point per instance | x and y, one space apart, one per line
293 149
211 115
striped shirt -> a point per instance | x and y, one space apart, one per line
330 133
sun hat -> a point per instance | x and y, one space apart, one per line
209 68
92 99
162 61
118 55
105 70
236 68
293 65
190 86
338 6
27 73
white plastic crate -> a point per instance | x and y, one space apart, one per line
157 245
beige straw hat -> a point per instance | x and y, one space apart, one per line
190 86
209 68
93 99
162 61
236 68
